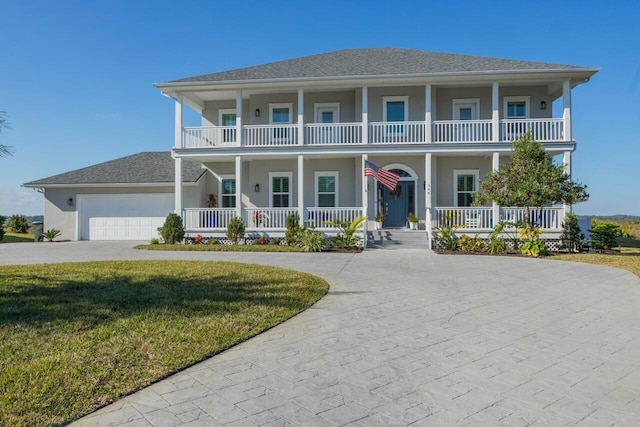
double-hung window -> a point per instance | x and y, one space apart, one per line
326 189
280 189
465 183
516 109
395 109
280 114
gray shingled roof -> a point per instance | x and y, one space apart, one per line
141 168
374 62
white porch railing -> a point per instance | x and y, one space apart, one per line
462 131
209 136
207 218
266 218
474 218
333 133
319 217
542 130
550 218
270 135
396 132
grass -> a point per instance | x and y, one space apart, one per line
628 259
16 238
76 336
221 248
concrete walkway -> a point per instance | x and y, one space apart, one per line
408 337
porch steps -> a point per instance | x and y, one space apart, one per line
397 239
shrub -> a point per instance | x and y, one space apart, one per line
496 243
51 234
2 219
235 229
447 238
471 244
18 224
311 240
346 237
604 235
572 237
172 231
293 225
154 241
212 242
531 243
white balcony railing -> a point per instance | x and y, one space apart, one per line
266 218
207 218
209 136
474 218
333 133
462 131
542 130
270 135
320 217
550 218
396 132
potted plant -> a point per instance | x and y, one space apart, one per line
379 219
413 221
210 217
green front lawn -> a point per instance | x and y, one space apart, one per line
221 248
628 259
16 238
76 336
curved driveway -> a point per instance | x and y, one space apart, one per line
408 337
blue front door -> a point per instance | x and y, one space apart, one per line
397 204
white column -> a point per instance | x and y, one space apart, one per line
566 161
428 201
178 186
238 118
495 166
239 186
427 114
365 202
365 115
300 117
301 188
566 112
178 122
495 112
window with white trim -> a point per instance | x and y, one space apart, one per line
280 189
281 114
326 189
228 191
516 107
227 118
395 108
465 183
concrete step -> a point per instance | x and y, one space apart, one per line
397 239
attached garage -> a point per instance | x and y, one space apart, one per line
122 216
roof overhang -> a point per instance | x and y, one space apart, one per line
109 185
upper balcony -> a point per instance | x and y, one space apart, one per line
390 133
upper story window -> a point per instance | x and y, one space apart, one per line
228 191
516 107
326 189
395 108
227 118
280 189
280 114
466 109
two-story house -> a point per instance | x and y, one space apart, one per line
294 136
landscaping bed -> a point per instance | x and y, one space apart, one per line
77 336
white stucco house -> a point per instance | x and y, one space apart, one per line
293 136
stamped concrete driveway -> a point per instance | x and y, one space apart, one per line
408 337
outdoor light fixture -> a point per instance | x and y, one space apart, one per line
257 188
543 105
257 112
70 201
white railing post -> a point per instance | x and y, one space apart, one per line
238 118
496 209
178 186
365 115
238 178
178 143
429 225
566 109
301 189
427 114
300 116
495 112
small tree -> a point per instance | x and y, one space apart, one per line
604 235
18 224
293 225
572 237
235 229
172 231
530 179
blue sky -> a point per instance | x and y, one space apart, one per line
76 76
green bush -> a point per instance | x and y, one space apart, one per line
604 235
154 241
2 219
172 231
51 234
235 229
448 240
471 244
496 243
311 240
18 224
346 236
293 225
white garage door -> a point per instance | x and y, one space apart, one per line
122 216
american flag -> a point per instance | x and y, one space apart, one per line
387 178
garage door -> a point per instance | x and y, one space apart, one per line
122 216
